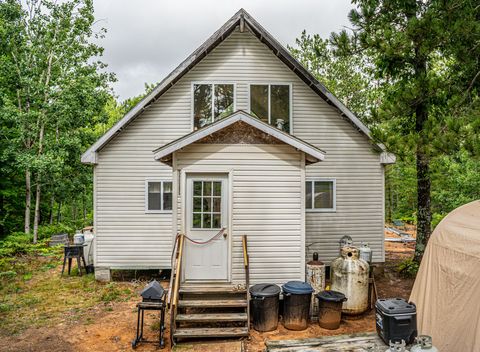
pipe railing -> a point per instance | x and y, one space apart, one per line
246 263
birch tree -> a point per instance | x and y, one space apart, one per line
58 83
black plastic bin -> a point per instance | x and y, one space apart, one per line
330 309
297 296
396 320
265 298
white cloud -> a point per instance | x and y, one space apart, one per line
146 39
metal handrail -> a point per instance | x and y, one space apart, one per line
175 282
246 263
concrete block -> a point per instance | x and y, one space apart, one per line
102 274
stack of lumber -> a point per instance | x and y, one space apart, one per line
366 342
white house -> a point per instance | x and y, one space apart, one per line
240 136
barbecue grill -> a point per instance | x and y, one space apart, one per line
153 298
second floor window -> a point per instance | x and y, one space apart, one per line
211 102
271 104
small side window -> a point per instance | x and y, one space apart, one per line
158 196
211 102
320 195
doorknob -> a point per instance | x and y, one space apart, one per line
225 235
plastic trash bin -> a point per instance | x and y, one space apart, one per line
265 298
330 309
297 296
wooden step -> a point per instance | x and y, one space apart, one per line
207 290
214 317
210 332
215 303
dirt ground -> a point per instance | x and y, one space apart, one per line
113 329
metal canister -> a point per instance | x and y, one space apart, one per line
316 278
350 276
345 241
366 253
78 238
423 343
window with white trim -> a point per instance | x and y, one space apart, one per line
320 195
158 196
211 102
271 104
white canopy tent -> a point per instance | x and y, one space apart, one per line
447 287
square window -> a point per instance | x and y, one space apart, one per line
217 189
197 221
159 196
320 195
211 102
271 104
217 221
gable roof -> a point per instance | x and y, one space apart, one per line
312 153
244 20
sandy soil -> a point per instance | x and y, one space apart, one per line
113 329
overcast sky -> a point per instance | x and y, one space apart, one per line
147 39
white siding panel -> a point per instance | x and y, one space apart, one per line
128 159
267 207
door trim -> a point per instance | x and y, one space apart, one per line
208 172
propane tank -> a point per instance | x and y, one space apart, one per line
345 241
423 343
366 253
316 278
350 277
397 346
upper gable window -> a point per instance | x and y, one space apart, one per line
271 104
211 102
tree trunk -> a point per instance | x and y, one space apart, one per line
28 200
424 214
388 195
52 204
59 212
36 218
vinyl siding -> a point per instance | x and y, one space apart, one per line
127 237
266 205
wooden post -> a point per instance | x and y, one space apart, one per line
316 278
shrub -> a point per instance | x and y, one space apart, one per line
47 231
436 218
408 268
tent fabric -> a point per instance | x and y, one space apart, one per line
447 288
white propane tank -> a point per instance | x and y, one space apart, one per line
88 250
423 343
366 253
78 238
350 277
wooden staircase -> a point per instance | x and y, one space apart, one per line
211 311
207 311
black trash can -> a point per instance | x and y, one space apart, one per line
330 309
396 320
297 296
265 298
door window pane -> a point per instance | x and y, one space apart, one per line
223 101
207 205
259 101
202 104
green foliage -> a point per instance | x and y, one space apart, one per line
408 268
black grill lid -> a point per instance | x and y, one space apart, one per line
152 291
395 306
264 290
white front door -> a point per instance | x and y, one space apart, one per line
206 215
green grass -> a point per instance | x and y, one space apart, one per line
33 294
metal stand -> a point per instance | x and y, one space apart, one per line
72 252
142 307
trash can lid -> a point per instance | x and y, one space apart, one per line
264 290
297 287
395 306
331 296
